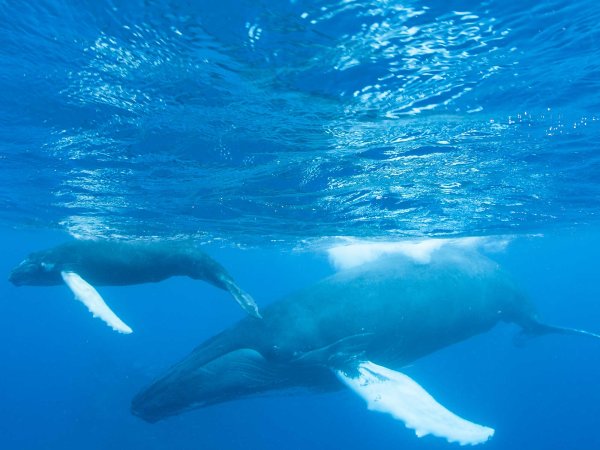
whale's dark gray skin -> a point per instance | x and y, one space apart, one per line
119 263
391 312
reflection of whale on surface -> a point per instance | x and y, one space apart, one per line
343 330
81 264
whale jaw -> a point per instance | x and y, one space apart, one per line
35 272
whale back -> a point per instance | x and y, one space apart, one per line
398 309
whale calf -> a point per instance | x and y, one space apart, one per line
355 329
85 264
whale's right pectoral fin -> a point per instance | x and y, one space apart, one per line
86 294
395 393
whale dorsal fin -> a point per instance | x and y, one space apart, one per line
397 394
86 294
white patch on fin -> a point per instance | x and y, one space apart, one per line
394 393
86 294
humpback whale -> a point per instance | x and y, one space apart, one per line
81 265
355 329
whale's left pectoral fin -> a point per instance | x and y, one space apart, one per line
394 393
86 294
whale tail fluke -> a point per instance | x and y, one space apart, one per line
534 328
244 299
202 267
542 328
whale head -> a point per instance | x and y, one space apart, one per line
169 396
35 270
202 379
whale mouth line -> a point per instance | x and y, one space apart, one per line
140 409
17 278
150 418
26 273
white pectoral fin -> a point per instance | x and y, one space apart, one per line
86 294
394 393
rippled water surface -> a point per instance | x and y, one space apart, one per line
256 121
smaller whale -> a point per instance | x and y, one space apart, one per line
83 264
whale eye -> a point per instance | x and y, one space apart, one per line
47 266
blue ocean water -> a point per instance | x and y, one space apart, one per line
265 130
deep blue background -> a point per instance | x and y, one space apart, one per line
67 380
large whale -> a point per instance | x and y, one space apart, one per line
83 264
356 329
